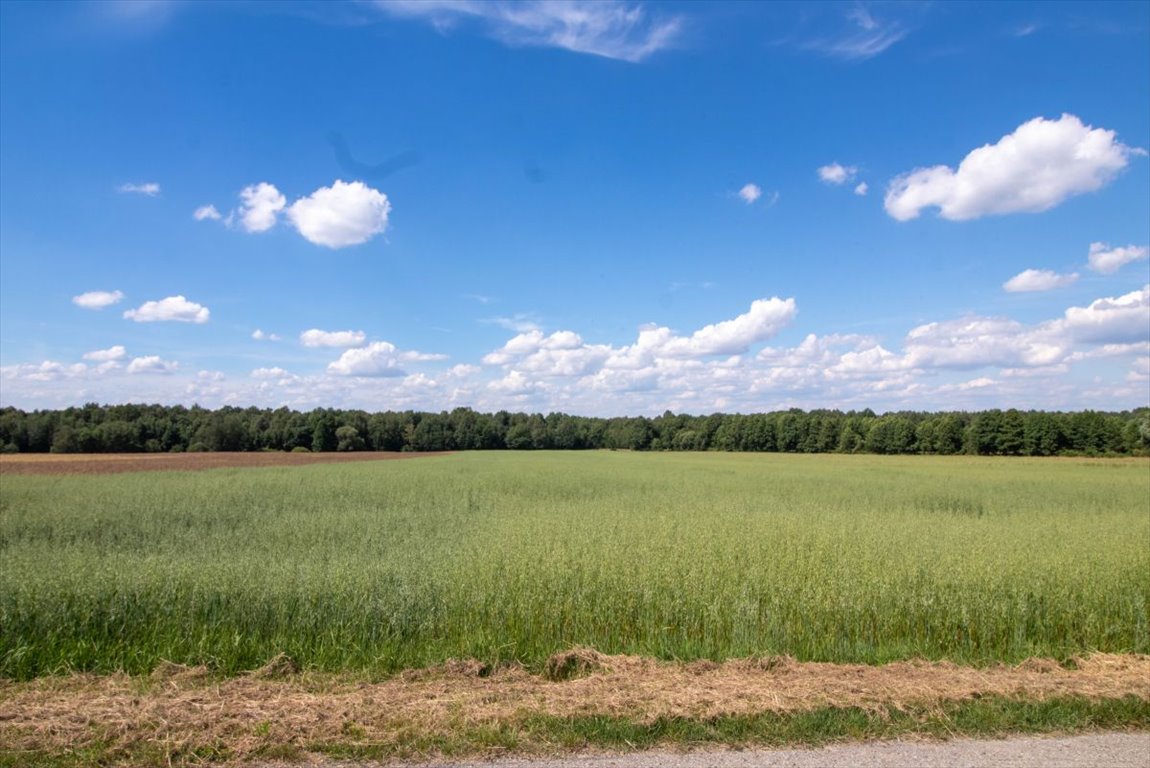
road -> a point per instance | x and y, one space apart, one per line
1102 750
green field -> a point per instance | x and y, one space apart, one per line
382 566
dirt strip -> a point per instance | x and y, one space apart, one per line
109 463
185 707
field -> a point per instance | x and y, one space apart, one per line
485 603
384 566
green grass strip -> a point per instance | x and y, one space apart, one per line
987 717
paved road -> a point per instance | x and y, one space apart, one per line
1106 750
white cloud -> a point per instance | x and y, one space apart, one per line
1112 320
608 28
260 206
564 353
97 299
1040 165
836 173
861 189
376 359
172 308
1140 371
206 212
259 335
1107 260
106 355
1111 350
270 373
765 318
151 188
865 37
750 193
520 322
49 370
1038 280
317 338
152 364
975 342
341 215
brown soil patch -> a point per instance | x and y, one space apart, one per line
107 463
243 715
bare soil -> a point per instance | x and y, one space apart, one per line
108 463
186 709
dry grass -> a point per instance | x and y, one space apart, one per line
184 709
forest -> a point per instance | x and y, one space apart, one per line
97 428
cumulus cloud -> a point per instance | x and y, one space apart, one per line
173 308
270 373
317 338
341 215
260 205
1041 164
49 370
259 335
1107 260
975 342
608 28
565 353
151 189
750 193
206 212
837 174
379 358
765 318
861 189
1038 280
1112 320
97 299
152 364
106 355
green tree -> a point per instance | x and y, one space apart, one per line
348 439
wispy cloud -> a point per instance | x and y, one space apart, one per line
609 28
521 322
865 35
206 212
151 189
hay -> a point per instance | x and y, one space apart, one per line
278 667
187 710
575 662
168 671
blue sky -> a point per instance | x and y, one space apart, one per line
600 208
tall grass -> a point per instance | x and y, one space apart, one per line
388 565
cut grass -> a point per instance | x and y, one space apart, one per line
612 702
547 735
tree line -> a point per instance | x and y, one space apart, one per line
156 428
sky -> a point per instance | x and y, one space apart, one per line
602 208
